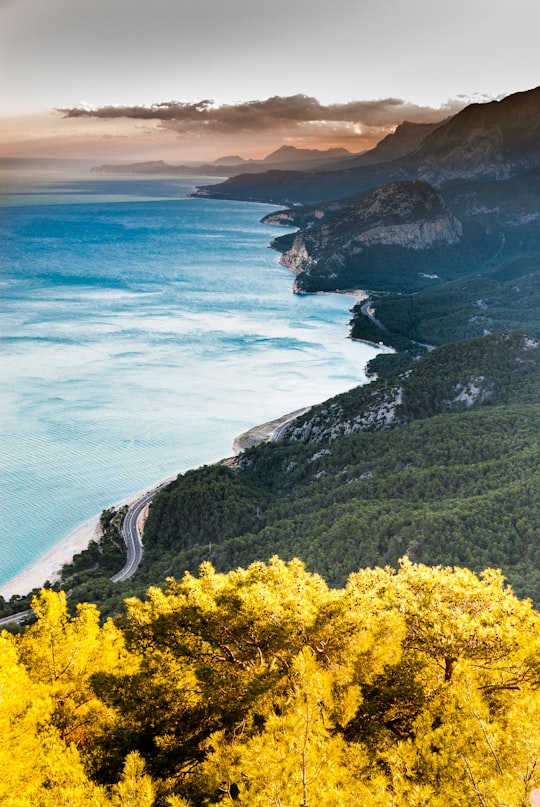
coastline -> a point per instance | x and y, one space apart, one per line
265 432
49 566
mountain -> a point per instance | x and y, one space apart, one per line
488 141
402 141
230 160
379 241
150 167
291 154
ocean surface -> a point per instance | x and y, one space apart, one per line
141 332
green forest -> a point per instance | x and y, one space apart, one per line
438 463
506 298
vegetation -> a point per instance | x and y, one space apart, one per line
377 669
438 462
507 298
264 686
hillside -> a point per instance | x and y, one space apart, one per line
505 298
491 141
439 462
392 237
407 237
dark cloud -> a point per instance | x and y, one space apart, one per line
271 114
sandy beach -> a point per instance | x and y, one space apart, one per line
49 565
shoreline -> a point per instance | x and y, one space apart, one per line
49 565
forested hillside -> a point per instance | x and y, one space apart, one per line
264 686
438 463
505 299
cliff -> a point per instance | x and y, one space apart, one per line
411 216
452 378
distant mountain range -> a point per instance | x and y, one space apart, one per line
283 158
464 202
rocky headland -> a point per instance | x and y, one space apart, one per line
408 215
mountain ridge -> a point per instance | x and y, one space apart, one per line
491 141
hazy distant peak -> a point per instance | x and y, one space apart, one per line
230 160
292 154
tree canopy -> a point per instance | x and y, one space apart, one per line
416 686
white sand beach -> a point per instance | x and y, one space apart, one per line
49 565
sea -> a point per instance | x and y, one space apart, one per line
142 330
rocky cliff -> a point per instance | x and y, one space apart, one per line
476 372
408 215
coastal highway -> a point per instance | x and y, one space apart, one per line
132 536
20 616
366 310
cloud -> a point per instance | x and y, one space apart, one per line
279 113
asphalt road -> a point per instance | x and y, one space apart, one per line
132 537
134 546
366 311
18 617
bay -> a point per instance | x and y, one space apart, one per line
142 331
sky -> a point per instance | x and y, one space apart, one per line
190 80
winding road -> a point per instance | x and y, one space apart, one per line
132 536
366 310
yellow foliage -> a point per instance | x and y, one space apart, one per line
63 653
37 768
411 688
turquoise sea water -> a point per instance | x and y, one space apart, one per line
142 330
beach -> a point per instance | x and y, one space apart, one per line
49 565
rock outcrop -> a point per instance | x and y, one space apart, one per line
408 215
454 378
